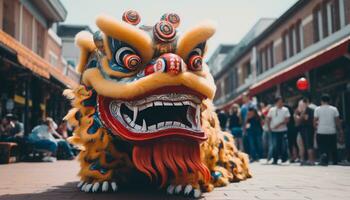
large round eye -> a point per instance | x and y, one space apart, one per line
131 61
127 57
195 63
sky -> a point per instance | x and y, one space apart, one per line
233 18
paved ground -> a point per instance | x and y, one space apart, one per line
58 181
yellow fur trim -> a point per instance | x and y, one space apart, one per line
93 77
70 117
190 39
127 33
84 40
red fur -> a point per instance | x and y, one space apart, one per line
169 158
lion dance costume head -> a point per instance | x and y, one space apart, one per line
144 109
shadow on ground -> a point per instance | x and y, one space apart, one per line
70 191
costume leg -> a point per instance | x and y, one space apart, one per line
102 166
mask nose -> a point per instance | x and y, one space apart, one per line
166 63
173 64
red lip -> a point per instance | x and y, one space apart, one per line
117 128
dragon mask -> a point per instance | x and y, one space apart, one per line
144 105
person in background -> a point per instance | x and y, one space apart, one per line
43 137
247 103
235 126
14 131
277 120
4 129
222 116
62 130
292 135
326 122
267 144
304 116
254 134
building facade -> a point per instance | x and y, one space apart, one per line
311 39
33 73
218 57
67 34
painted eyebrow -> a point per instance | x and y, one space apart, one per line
191 38
127 33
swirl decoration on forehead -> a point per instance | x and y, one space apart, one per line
164 31
131 17
173 18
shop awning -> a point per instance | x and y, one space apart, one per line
25 56
316 60
34 62
63 79
229 104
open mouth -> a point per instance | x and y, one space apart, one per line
155 116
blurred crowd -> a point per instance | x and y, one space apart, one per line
306 133
48 140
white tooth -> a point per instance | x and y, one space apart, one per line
183 125
152 128
160 124
177 103
132 124
137 127
168 104
142 107
168 123
198 114
186 103
136 111
127 119
192 104
176 123
198 111
129 106
144 126
149 105
158 103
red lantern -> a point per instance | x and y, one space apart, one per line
302 84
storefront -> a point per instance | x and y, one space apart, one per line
334 79
27 87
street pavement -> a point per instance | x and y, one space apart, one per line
58 180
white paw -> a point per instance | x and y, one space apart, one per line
98 186
80 184
87 188
114 186
105 186
178 189
187 191
83 187
170 189
95 187
197 193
